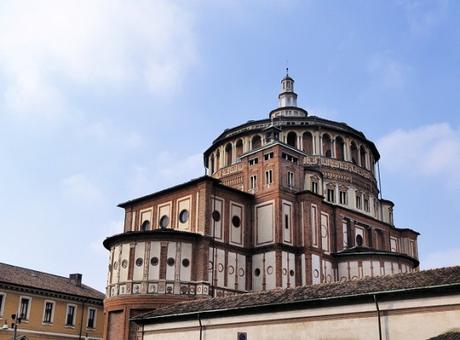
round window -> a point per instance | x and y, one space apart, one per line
154 261
291 272
170 261
139 261
145 225
124 263
164 221
216 216
257 272
186 262
236 221
183 216
115 265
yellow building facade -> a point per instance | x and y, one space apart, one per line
46 306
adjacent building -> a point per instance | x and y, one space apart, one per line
49 306
418 305
290 200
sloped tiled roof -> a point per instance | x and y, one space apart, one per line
454 335
436 279
18 276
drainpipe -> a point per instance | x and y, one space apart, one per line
378 316
201 326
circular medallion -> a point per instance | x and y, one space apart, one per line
164 221
236 221
183 216
216 216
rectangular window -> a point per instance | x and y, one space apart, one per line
268 156
268 177
70 315
330 195
366 204
290 179
91 318
48 312
286 221
24 308
2 303
325 232
253 161
253 182
314 187
314 233
358 202
343 197
289 158
345 234
393 242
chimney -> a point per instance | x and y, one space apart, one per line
75 279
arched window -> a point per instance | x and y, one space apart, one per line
339 148
217 160
327 145
256 142
228 154
239 148
211 164
307 140
291 139
362 155
354 153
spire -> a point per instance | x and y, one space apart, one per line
287 106
287 97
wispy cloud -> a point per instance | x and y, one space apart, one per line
164 170
81 189
426 151
423 16
48 45
386 71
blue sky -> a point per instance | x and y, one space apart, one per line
103 101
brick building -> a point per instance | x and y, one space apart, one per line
50 306
289 201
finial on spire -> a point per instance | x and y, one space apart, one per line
287 71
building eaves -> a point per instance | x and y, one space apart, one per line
194 181
14 276
407 285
